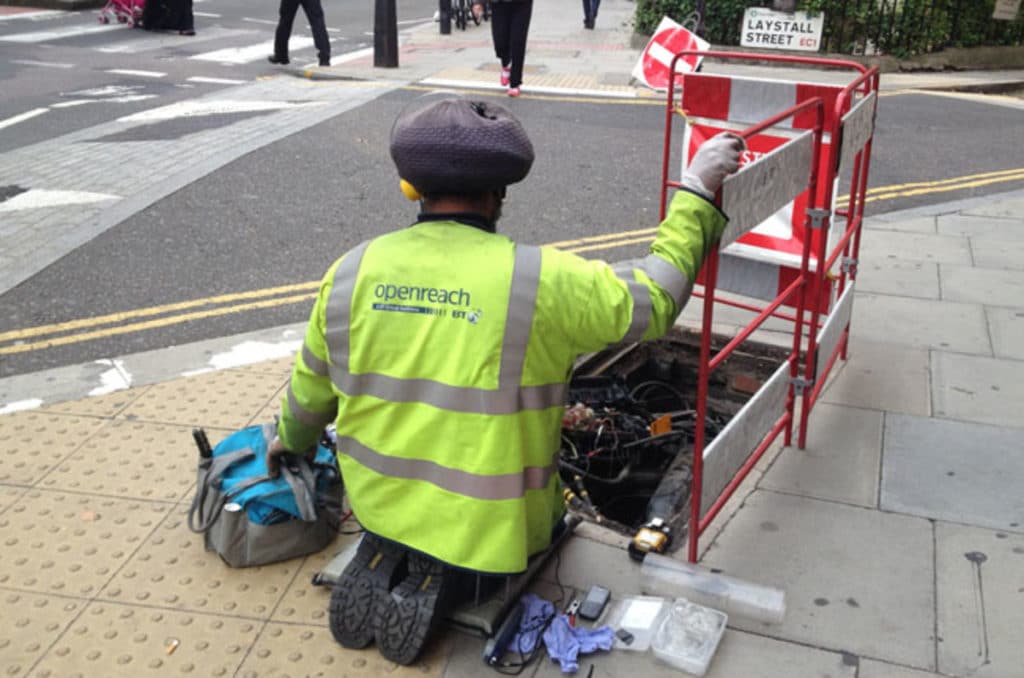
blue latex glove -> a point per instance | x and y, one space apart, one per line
566 643
536 613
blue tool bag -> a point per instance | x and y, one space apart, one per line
249 518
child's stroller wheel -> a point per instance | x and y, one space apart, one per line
104 19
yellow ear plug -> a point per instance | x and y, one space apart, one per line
409 191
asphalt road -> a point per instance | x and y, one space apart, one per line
279 216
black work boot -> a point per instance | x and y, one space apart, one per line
365 585
414 609
275 59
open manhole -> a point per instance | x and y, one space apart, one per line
628 428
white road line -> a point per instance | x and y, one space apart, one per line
141 74
216 81
243 55
34 16
152 42
260 21
60 33
207 15
21 117
42 64
197 107
352 56
36 198
529 89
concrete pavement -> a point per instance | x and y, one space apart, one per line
897 534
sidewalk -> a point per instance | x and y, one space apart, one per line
897 535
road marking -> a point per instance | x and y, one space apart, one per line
207 15
152 42
36 198
33 15
141 74
216 81
42 64
193 108
60 33
244 55
21 117
585 244
260 21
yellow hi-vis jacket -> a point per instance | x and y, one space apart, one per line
443 354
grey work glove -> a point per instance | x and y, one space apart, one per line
716 158
277 450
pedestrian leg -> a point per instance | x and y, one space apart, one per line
284 29
501 22
315 13
518 32
588 19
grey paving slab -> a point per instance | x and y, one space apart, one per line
1006 326
738 654
1009 205
921 224
973 388
996 253
870 668
980 602
584 563
921 323
882 376
1002 228
992 287
903 278
878 245
845 571
840 462
952 470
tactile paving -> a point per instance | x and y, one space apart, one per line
279 366
71 544
35 442
271 409
297 651
303 602
98 406
173 570
9 495
110 641
31 623
133 459
224 399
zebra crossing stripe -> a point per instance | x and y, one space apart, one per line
151 42
242 55
141 74
59 33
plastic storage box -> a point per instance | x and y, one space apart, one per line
688 636
640 616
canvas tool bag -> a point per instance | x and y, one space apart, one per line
249 518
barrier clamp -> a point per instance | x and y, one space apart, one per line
800 384
849 265
817 216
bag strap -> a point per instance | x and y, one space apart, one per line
202 517
303 487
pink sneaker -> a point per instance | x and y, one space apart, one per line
513 91
506 76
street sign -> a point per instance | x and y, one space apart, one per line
781 30
669 38
1006 10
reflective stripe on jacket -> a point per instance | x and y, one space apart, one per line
443 354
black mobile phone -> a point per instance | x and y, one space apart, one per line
593 604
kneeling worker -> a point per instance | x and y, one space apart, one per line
442 352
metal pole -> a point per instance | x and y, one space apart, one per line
385 34
445 9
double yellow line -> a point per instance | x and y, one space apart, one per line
75 331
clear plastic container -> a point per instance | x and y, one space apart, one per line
666 576
640 616
688 636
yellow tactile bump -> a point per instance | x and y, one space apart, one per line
271 410
297 651
34 442
9 495
278 366
303 602
110 641
133 459
225 399
31 623
172 569
71 543
98 406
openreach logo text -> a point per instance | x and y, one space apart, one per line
406 299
